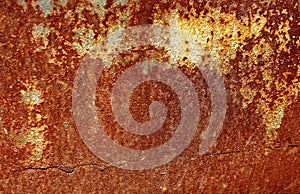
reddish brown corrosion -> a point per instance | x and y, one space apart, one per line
245 159
141 99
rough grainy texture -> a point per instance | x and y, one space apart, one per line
255 44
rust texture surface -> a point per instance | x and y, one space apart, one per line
254 44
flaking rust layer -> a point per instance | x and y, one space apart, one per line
254 43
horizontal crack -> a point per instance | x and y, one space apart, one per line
66 169
282 147
228 152
71 169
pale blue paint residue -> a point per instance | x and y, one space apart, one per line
46 6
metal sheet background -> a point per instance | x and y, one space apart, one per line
257 46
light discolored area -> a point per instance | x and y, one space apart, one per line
254 43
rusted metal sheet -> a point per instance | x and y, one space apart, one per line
50 51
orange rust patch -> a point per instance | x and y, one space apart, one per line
256 43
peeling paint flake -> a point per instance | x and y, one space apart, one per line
46 6
34 136
63 2
273 120
22 3
248 94
87 40
31 97
39 31
119 2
